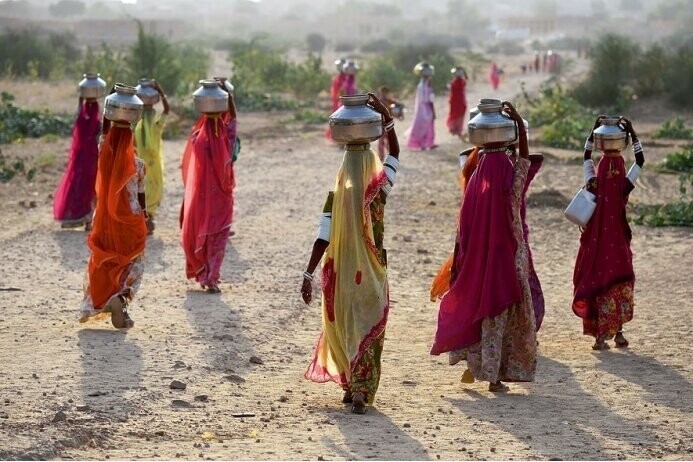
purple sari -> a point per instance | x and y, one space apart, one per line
421 135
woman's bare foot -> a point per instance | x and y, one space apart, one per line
600 344
150 226
498 387
213 289
359 403
620 340
347 398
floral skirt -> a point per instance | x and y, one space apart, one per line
613 308
365 377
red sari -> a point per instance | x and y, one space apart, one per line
335 93
458 106
207 211
603 279
75 194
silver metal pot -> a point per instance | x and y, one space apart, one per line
492 128
227 84
458 71
123 104
92 86
147 93
610 136
424 69
209 98
339 64
355 122
350 67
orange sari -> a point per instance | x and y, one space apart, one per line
119 233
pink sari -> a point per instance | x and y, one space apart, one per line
76 191
349 85
207 211
487 282
421 135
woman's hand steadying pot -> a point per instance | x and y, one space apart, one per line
512 112
378 105
628 126
307 291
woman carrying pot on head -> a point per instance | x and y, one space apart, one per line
355 300
74 198
421 135
336 89
487 318
458 101
386 97
494 75
148 139
208 181
604 279
119 233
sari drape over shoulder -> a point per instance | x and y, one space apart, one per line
119 232
148 139
75 194
603 279
355 301
207 210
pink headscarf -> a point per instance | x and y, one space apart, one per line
487 282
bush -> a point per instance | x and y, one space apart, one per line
406 57
308 78
609 79
681 161
382 71
106 61
674 129
650 80
677 74
309 117
31 53
251 100
678 213
16 123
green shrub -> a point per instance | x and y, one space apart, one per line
678 75
16 123
406 57
678 213
251 100
681 161
675 129
9 169
307 79
106 61
382 71
650 80
309 117
35 54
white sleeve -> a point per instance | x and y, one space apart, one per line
390 167
634 173
463 160
325 226
590 172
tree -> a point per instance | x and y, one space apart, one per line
316 43
67 8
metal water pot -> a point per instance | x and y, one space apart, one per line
492 128
355 122
397 110
123 104
92 86
147 93
209 98
350 67
458 71
424 69
339 64
227 84
610 136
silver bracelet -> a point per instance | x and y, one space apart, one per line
308 276
637 147
589 146
389 126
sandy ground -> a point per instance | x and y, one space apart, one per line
88 391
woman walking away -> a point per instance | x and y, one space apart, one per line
73 200
458 101
208 180
355 300
494 76
148 139
487 316
604 279
118 238
421 135
336 89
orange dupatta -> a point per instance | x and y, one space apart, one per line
118 236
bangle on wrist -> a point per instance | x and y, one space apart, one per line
308 276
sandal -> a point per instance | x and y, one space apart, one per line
347 398
498 387
359 403
620 340
119 313
600 344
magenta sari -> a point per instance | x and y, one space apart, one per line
534 284
349 85
421 135
73 198
487 282
207 212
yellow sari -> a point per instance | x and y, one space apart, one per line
148 139
355 300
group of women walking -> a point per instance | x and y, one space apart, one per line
115 187
491 300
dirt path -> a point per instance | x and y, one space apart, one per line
113 387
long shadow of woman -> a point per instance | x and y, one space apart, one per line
112 366
558 419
